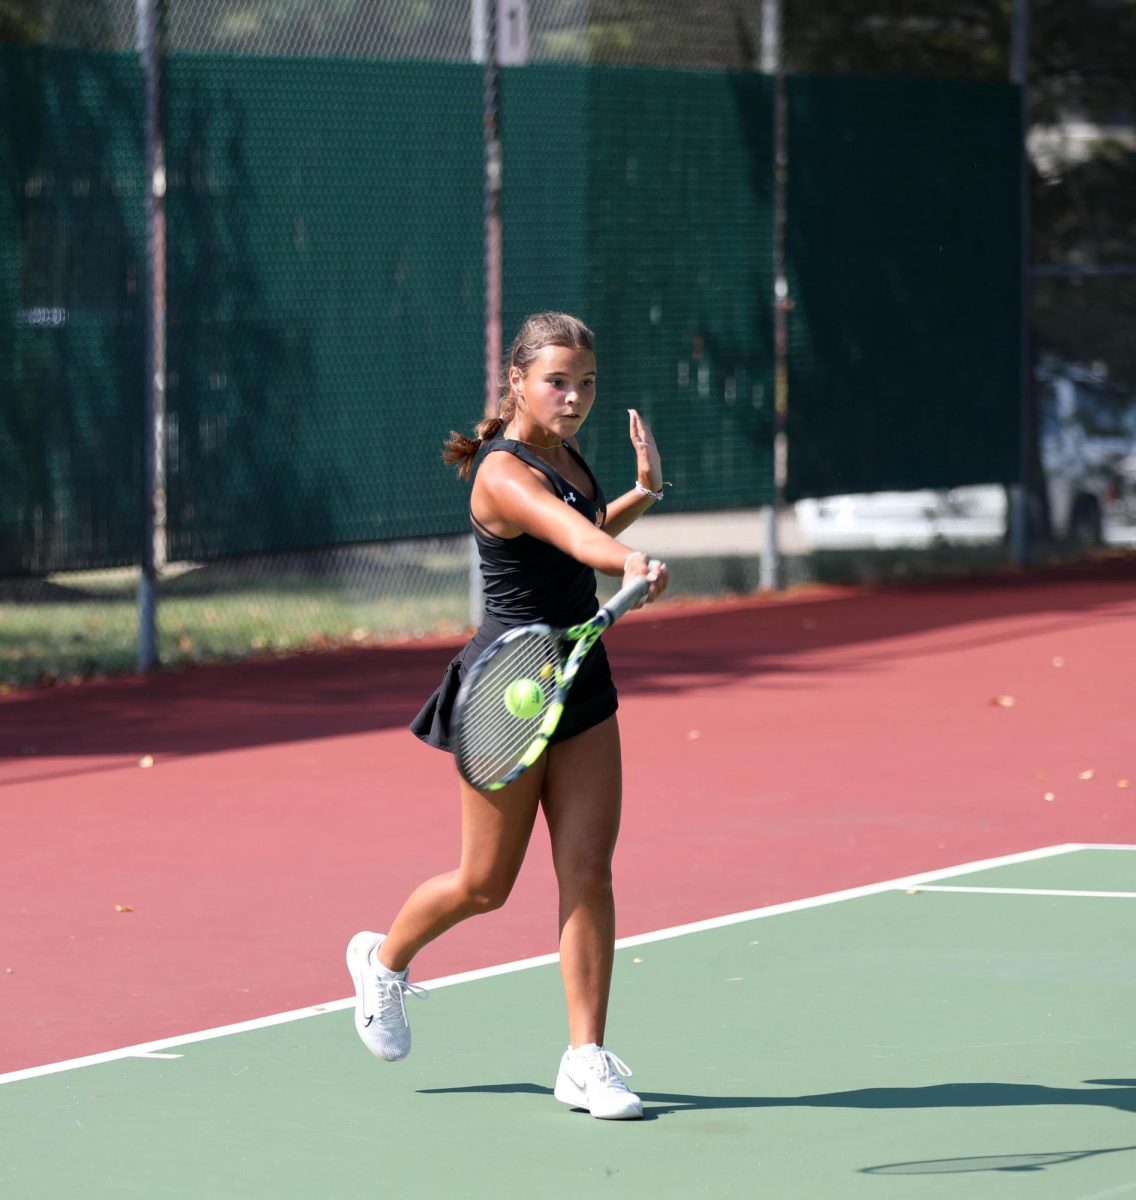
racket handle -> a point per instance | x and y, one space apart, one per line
626 598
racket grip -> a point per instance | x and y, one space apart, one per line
626 598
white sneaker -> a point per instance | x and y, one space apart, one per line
589 1077
380 999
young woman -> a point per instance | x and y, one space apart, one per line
543 529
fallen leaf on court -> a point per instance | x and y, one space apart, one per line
1087 774
694 735
123 908
1003 701
1123 783
1050 796
147 760
1058 661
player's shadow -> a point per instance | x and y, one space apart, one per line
1105 1093
1016 1163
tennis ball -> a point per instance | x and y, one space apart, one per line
524 698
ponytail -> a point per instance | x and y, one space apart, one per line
459 451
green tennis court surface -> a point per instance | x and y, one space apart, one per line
885 1043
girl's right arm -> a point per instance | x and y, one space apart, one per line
510 499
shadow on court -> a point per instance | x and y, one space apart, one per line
1108 1093
232 706
1017 1163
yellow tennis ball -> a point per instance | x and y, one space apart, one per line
546 671
524 698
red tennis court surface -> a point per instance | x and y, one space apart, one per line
774 749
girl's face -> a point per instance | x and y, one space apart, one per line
558 388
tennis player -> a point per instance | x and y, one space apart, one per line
542 529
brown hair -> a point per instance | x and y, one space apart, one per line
536 332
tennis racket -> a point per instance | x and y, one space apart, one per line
513 697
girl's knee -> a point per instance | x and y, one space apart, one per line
482 896
585 877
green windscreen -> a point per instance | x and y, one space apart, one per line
325 283
326 298
640 200
904 276
72 252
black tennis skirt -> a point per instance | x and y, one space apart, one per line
592 697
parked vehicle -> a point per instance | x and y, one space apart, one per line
891 520
1088 448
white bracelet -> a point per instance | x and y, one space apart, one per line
633 554
645 491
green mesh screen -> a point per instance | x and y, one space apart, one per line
903 254
325 298
640 200
71 265
326 312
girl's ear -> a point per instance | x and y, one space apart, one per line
516 379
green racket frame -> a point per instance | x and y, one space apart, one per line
581 638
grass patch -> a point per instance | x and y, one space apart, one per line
82 626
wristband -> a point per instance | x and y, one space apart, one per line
645 491
634 554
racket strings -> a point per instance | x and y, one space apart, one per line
491 740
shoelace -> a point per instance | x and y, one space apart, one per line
606 1064
392 1000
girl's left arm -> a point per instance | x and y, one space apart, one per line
625 509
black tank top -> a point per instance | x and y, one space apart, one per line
527 579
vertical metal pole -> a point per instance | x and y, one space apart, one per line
1022 493
492 198
149 37
491 132
773 64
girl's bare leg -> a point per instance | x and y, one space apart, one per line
582 801
496 827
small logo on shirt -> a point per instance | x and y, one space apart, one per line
570 498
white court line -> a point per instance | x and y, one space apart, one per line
144 1049
1010 891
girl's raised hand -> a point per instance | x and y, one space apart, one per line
647 461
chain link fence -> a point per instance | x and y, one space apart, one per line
326 310
306 259
304 250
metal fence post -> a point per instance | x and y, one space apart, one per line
491 111
485 15
1021 494
150 23
773 64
